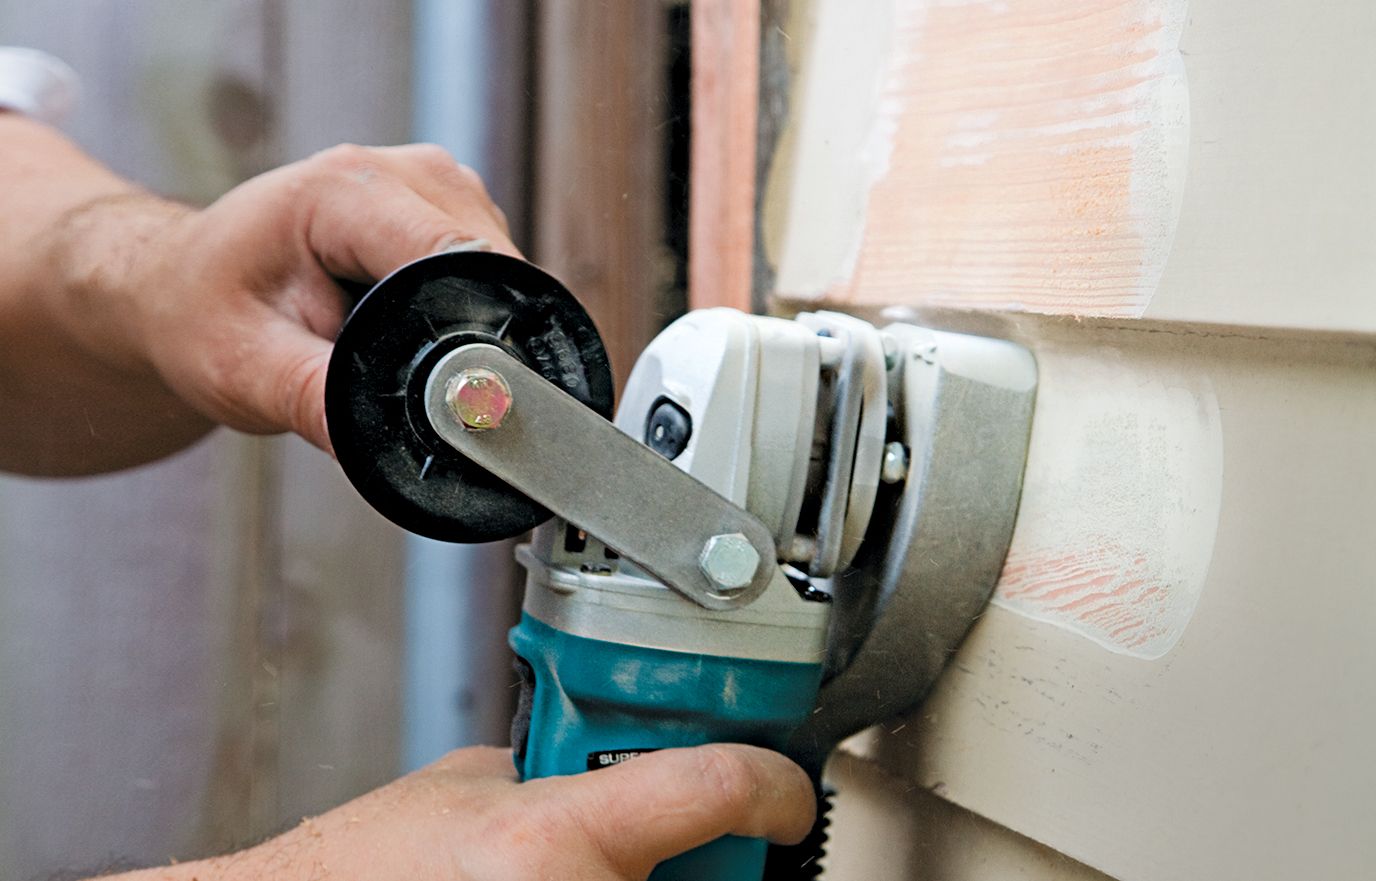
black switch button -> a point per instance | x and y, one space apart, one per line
668 428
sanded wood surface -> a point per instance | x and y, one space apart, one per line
1100 158
1024 155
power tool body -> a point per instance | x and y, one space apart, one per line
780 540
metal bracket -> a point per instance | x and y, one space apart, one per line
965 411
580 466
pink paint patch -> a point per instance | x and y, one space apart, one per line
1036 157
1120 502
1098 591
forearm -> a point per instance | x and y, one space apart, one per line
284 859
75 394
129 324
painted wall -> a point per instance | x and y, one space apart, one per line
1171 205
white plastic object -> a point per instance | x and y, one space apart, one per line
37 84
749 385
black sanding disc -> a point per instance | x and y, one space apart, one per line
374 391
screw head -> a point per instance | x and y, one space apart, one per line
895 467
729 561
479 398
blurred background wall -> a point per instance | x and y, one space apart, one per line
195 653
198 653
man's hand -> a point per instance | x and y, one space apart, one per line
466 819
129 324
238 300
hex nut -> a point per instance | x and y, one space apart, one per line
729 561
479 398
895 466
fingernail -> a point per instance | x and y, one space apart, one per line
467 245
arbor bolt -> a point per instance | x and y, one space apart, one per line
479 398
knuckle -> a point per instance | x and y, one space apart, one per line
224 389
439 236
342 154
348 159
440 163
731 777
502 219
469 176
433 155
462 177
531 844
584 830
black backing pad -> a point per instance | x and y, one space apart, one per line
374 391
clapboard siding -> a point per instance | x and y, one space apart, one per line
1170 204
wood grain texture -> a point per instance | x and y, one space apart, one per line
1149 158
315 717
726 72
242 760
109 644
1022 155
345 74
1121 497
1241 752
600 160
337 634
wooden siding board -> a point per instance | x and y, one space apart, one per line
1228 741
926 837
1240 752
1096 158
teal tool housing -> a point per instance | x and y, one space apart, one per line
588 703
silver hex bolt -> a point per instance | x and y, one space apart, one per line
729 561
479 398
895 467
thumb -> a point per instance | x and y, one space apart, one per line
300 399
276 382
662 804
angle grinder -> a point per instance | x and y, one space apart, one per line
785 518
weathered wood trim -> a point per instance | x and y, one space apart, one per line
726 74
600 163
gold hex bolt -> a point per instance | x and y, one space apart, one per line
479 398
